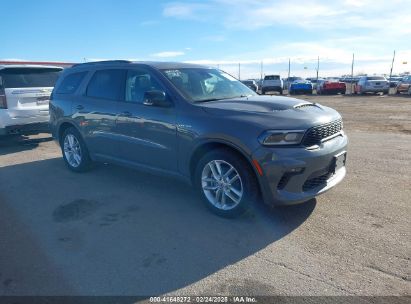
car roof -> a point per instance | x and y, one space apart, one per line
153 64
34 66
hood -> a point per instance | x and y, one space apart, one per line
272 111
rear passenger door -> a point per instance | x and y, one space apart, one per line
96 110
148 132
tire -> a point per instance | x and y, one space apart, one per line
228 203
262 92
280 91
72 144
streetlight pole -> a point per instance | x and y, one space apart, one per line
392 65
289 67
261 71
352 74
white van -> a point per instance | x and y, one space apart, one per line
24 97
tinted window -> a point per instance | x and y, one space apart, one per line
376 78
29 77
138 82
107 84
71 83
272 77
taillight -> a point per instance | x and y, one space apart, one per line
3 100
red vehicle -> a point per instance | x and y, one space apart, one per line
330 86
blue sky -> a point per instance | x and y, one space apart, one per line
214 32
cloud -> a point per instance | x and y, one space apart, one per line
183 10
168 54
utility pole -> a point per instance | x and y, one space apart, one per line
392 65
352 74
239 69
318 66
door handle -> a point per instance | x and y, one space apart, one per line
79 107
126 114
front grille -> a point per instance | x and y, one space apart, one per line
315 135
314 182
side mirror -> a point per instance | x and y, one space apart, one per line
156 98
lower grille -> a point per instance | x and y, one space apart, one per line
314 182
283 181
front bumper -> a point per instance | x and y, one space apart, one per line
281 186
301 88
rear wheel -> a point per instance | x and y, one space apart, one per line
226 183
75 153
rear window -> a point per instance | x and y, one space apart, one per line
107 84
272 77
375 78
70 83
29 77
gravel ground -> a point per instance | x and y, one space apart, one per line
114 231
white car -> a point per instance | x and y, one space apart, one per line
372 84
24 97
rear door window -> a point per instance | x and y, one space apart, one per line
107 84
29 77
70 83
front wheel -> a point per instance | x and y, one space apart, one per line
226 183
75 153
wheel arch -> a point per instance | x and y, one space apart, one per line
208 146
63 127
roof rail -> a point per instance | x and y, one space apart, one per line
101 62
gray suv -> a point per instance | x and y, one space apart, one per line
201 125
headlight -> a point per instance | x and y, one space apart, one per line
281 137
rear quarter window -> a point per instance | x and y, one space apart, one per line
71 83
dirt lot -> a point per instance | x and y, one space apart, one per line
114 231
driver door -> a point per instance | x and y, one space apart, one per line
148 132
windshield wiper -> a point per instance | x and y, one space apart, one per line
210 99
214 99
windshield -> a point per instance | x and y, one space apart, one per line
29 77
201 84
